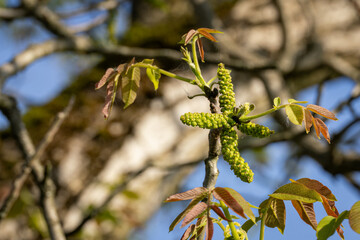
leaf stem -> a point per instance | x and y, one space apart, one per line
262 226
231 224
248 118
196 63
166 73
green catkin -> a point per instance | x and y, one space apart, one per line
229 149
205 120
227 97
255 130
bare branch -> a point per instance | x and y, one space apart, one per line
9 14
341 66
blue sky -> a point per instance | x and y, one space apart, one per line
41 81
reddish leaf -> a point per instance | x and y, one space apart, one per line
320 126
326 203
190 194
201 49
111 89
317 186
306 212
222 194
200 225
187 209
243 203
209 229
321 111
193 213
189 35
109 74
218 211
308 118
188 232
206 33
121 68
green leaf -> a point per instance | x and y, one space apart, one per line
296 191
243 203
291 101
277 101
277 215
249 224
329 224
129 86
295 113
317 186
325 228
154 76
148 61
354 217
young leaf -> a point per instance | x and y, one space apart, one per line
190 194
199 227
243 203
154 76
277 101
295 113
321 111
188 232
321 127
193 213
111 90
218 211
317 186
326 228
130 85
206 32
109 74
308 119
249 224
189 35
291 101
209 228
306 212
201 49
222 194
187 209
354 217
276 213
296 191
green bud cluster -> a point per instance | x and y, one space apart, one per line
205 120
255 130
227 97
231 154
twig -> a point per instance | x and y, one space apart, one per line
341 66
26 168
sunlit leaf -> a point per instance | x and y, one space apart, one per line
190 194
154 76
188 232
317 186
276 213
189 36
295 113
209 229
201 49
296 191
308 119
206 33
243 203
322 128
193 213
354 217
222 194
291 101
326 228
249 224
187 209
306 212
129 85
277 101
148 61
321 111
220 213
